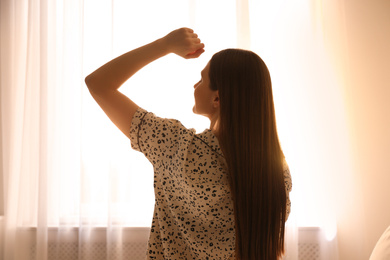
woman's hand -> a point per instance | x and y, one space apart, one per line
184 42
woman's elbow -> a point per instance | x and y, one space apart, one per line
92 83
88 80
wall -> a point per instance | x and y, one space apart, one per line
358 34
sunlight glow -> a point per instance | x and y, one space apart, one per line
330 230
107 157
310 110
309 106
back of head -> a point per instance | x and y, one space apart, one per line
249 140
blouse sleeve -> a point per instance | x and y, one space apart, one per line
157 138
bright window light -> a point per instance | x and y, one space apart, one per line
115 183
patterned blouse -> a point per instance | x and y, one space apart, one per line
193 213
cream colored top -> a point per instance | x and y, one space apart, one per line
193 214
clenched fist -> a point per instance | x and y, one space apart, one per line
184 42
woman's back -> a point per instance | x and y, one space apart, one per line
193 214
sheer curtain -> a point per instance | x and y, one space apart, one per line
69 176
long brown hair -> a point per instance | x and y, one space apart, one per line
249 141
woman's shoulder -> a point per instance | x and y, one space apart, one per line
145 119
151 133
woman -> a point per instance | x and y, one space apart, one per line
221 194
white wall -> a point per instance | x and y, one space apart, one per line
359 40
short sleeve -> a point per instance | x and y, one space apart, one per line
157 138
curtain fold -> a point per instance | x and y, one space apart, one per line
72 185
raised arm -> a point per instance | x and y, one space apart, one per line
104 82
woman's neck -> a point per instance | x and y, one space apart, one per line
214 125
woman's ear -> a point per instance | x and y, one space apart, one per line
216 100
